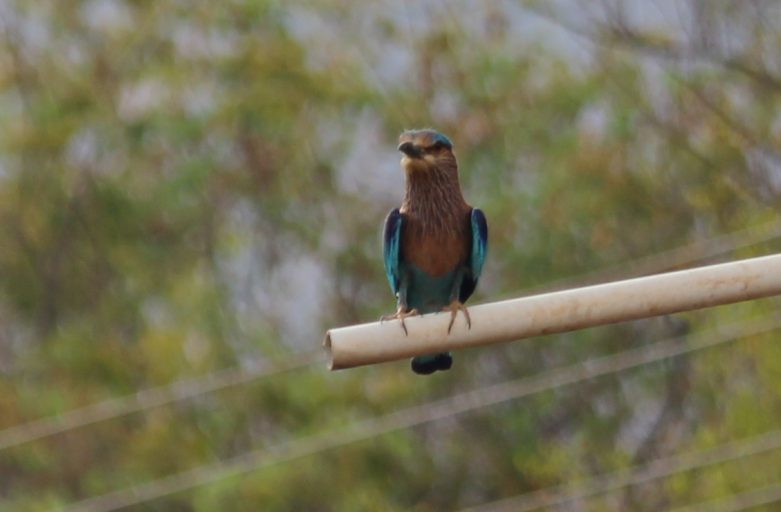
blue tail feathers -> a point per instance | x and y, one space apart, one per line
426 365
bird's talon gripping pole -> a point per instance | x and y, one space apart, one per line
400 314
411 312
454 308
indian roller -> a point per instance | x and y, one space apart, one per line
435 244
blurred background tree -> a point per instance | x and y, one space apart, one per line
195 187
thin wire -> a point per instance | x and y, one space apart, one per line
150 398
738 502
673 259
189 388
420 414
566 493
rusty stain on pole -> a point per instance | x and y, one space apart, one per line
560 311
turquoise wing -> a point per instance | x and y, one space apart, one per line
391 242
477 256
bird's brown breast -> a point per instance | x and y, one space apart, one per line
436 249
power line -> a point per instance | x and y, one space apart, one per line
737 502
150 398
563 494
420 414
672 259
190 388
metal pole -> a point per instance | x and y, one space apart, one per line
561 311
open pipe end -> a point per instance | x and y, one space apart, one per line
328 352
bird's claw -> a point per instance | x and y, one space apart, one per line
400 314
454 307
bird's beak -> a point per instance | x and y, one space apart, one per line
410 149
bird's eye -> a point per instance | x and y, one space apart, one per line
436 146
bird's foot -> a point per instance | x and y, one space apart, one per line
400 314
454 307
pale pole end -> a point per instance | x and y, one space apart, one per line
328 352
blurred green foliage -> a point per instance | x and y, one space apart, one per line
187 187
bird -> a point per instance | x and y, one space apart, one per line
435 243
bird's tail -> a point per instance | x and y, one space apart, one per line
426 365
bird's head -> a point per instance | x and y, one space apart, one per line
426 151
